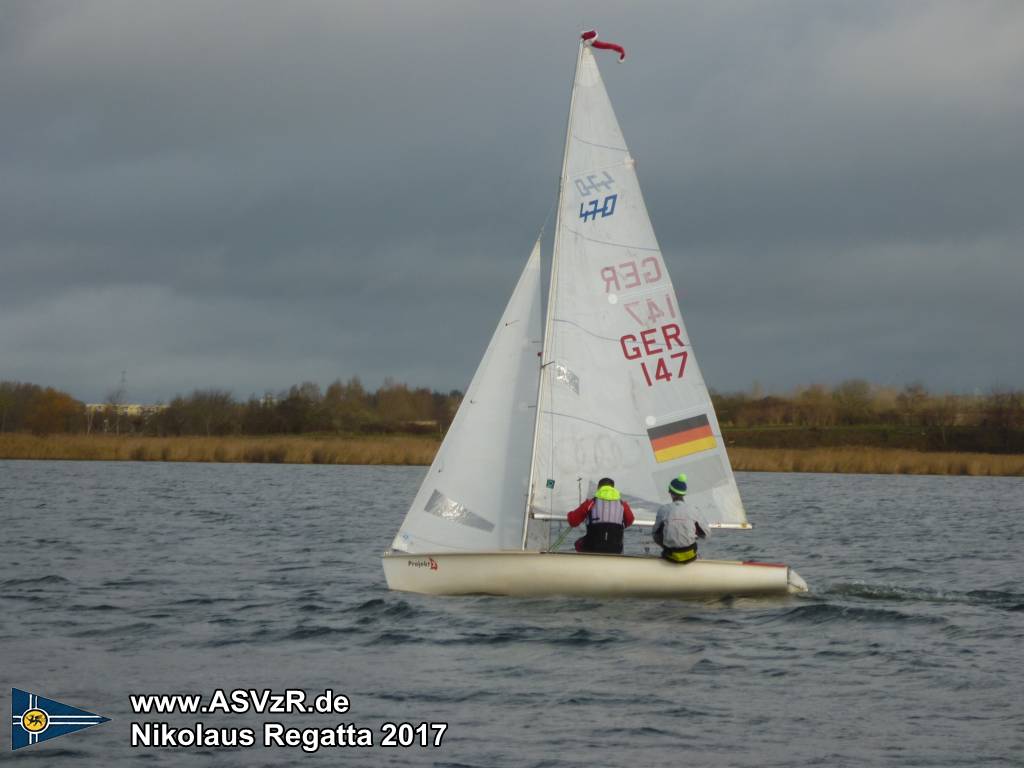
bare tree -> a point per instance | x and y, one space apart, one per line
7 400
115 401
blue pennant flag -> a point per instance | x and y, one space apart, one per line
35 719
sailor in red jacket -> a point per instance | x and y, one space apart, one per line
607 516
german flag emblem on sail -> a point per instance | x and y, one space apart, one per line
681 438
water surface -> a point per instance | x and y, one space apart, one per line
122 578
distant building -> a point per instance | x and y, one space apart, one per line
125 409
107 417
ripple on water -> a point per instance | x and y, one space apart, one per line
891 592
309 632
38 581
825 613
124 631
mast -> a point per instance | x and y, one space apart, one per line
549 315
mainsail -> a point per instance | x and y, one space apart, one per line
473 497
621 393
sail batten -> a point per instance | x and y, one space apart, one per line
602 146
624 246
602 425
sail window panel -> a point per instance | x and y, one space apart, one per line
564 376
452 511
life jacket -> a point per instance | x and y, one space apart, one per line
605 523
607 507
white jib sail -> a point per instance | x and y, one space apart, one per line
473 497
621 393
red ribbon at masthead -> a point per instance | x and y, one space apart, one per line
590 38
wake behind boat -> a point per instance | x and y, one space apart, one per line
610 386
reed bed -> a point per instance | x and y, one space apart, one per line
875 461
420 450
275 449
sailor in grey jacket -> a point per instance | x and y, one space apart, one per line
676 529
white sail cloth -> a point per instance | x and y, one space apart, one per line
474 495
621 392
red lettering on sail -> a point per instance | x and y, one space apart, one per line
681 356
630 349
650 347
631 274
652 270
610 279
655 346
672 332
648 312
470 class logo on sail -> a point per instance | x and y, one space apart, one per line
594 183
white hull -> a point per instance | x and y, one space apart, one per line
537 574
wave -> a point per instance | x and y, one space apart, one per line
41 580
133 630
992 597
309 632
824 613
380 607
114 583
442 634
640 731
30 598
201 601
47 756
100 607
440 698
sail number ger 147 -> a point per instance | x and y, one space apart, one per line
657 345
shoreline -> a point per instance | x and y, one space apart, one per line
414 450
875 461
409 450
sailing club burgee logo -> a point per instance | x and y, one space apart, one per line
35 719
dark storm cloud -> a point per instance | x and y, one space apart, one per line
250 194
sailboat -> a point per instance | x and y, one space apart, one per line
606 385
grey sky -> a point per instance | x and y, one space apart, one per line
252 194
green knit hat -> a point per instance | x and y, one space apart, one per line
678 485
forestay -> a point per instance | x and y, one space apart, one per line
473 497
621 393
